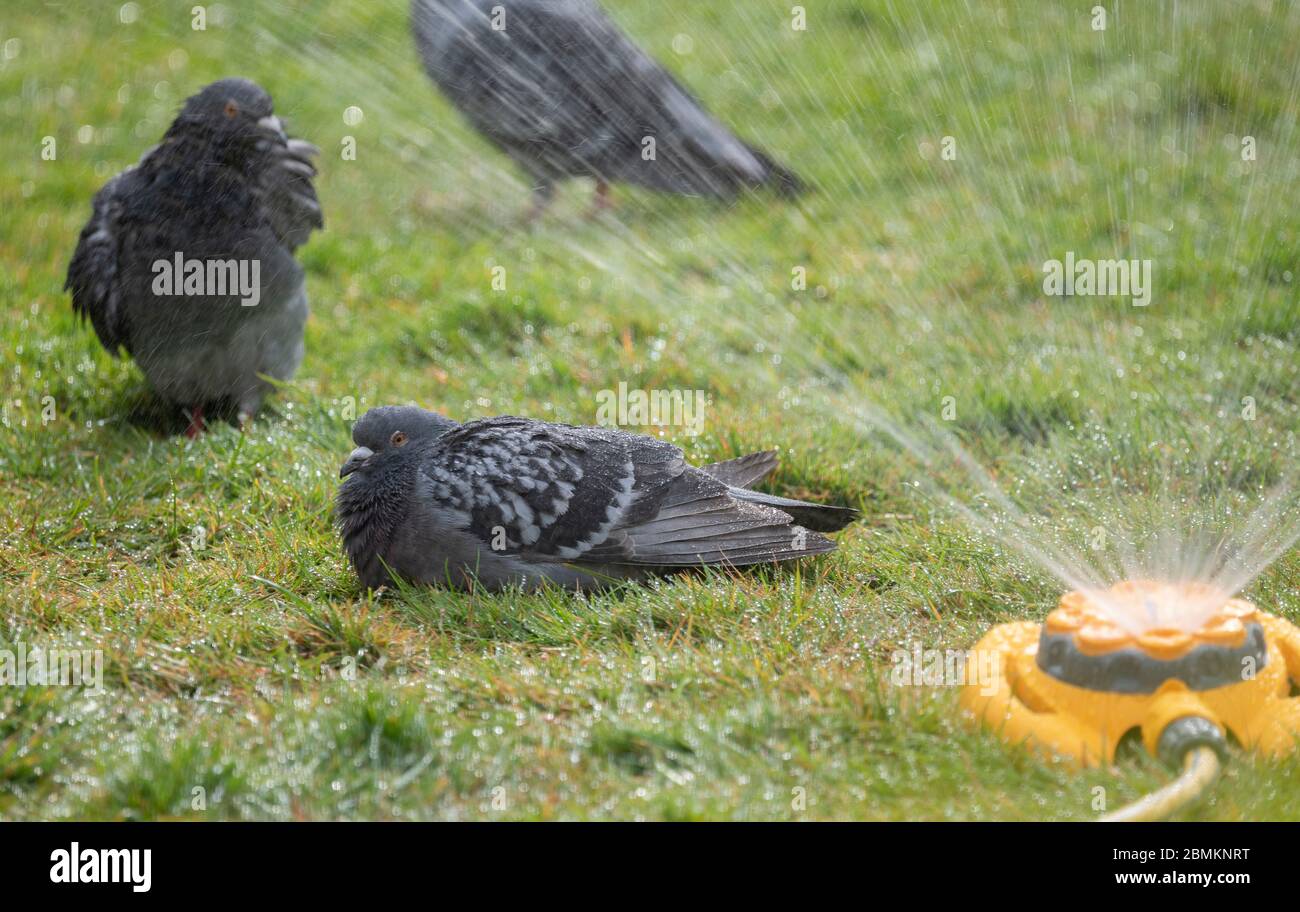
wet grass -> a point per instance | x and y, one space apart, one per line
247 674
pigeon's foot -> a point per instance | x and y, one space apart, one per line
602 202
197 426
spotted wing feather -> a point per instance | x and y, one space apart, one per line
595 496
545 490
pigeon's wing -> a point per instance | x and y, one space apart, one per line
697 521
93 272
592 496
693 152
561 84
638 100
545 490
520 74
287 193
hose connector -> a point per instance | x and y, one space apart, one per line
1186 733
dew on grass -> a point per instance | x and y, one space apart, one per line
1092 440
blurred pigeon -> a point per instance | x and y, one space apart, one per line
187 260
560 89
506 501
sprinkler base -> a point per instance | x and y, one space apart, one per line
1233 679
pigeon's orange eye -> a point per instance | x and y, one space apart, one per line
397 439
231 109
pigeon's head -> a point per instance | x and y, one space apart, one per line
391 433
234 113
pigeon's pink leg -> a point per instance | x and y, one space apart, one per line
196 422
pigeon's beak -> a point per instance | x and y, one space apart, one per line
356 459
271 124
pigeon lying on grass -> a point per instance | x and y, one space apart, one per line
506 501
187 260
560 89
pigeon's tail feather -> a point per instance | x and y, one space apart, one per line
702 522
744 471
762 545
699 155
818 517
714 172
770 547
778 176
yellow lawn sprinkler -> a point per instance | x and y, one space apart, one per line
1178 662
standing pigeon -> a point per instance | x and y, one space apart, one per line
506 501
560 89
187 260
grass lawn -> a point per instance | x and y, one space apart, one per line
241 656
